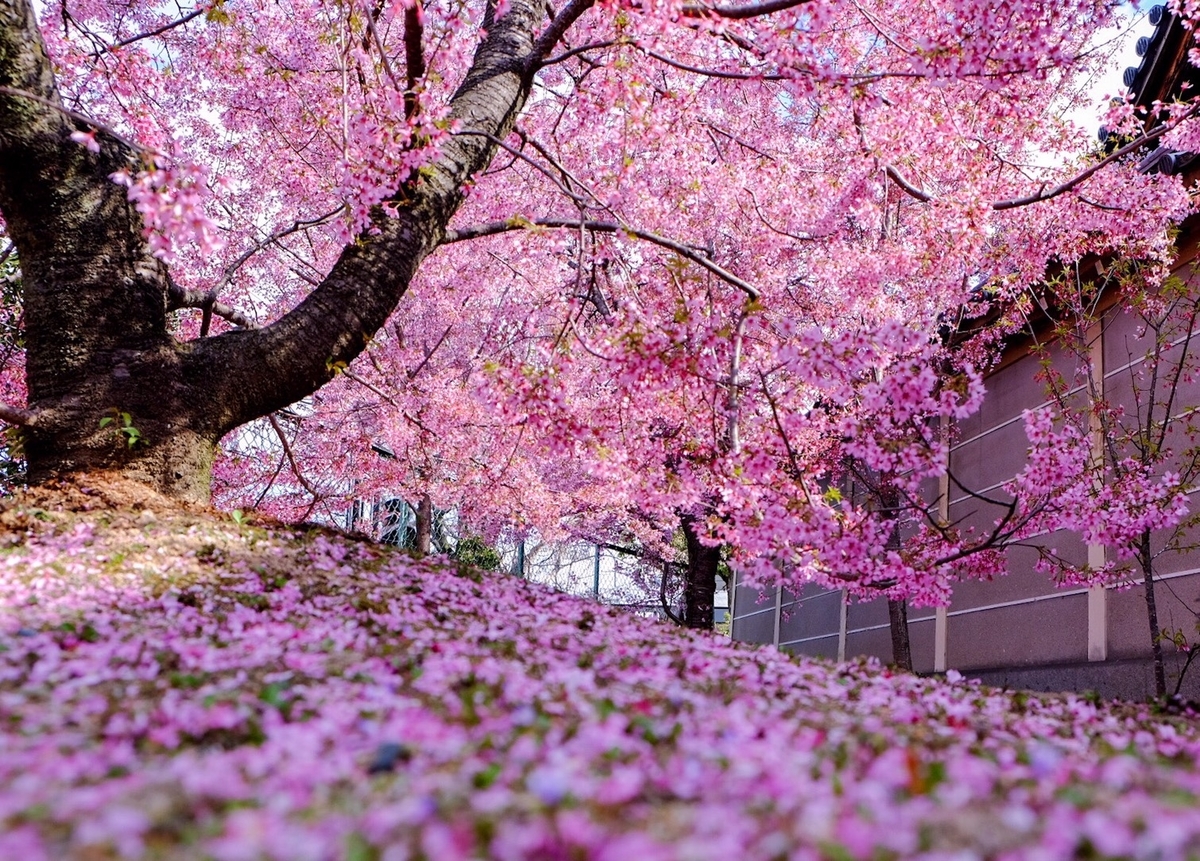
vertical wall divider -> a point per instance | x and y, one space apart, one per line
1097 616
732 586
778 614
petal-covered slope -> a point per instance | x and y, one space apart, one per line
175 685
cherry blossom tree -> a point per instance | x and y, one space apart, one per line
1121 442
636 245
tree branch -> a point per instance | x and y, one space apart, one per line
715 73
17 416
558 27
149 34
740 13
1058 190
254 372
517 154
496 227
414 55
178 297
296 226
582 49
291 459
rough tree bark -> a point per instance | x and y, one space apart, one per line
96 300
700 585
1146 559
424 513
897 608
898 623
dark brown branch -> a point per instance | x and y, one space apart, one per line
662 596
497 227
78 117
558 27
1152 135
560 167
296 226
350 375
149 34
414 55
291 459
412 375
383 57
257 372
517 154
715 73
178 297
17 416
739 141
582 49
1061 189
740 13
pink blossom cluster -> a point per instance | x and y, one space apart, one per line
1102 508
232 693
171 198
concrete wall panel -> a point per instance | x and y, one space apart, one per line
1049 631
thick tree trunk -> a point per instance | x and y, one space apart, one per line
96 300
1147 563
700 588
424 525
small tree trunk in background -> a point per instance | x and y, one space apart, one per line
700 588
1160 676
897 610
424 525
898 622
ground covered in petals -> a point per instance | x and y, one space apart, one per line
178 685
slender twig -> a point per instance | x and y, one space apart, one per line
497 227
716 73
540 168
566 174
149 34
383 58
1047 194
583 49
737 140
287 451
662 595
761 217
350 375
429 355
740 13
82 118
297 226
270 483
1152 135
